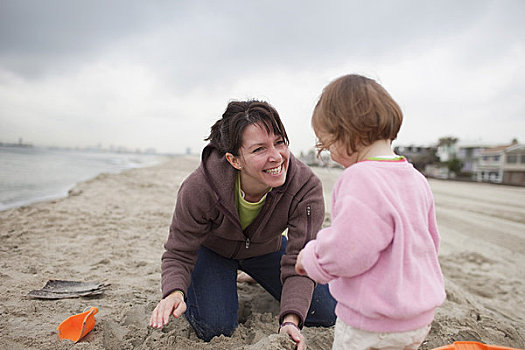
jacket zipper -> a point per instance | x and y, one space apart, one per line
308 220
239 245
258 219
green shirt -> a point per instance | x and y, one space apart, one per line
248 211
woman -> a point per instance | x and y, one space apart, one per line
230 215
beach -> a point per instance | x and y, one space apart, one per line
111 229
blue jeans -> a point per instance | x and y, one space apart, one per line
212 296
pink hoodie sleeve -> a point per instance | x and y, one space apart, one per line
352 244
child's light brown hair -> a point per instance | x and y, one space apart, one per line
355 111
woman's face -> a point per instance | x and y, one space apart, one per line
263 159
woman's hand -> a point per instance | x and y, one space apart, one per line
173 304
290 327
299 268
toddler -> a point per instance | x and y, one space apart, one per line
380 254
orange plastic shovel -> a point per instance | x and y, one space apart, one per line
77 326
472 345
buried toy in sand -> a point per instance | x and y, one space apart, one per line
59 289
472 345
77 326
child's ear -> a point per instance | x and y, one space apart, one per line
233 160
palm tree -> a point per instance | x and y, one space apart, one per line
447 141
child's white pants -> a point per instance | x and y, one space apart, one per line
349 338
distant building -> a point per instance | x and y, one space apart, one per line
437 170
449 151
446 152
447 148
420 156
502 164
470 155
312 159
19 144
434 161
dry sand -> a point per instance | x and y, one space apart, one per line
112 229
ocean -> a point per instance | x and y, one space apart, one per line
32 174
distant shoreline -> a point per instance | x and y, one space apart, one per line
19 145
33 174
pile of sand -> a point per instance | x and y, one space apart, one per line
112 229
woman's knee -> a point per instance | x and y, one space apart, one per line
208 326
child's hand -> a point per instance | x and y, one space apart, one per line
299 266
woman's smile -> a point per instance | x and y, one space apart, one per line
274 171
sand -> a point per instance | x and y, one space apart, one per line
111 229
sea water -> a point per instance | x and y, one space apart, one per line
32 174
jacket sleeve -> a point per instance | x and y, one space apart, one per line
351 245
305 220
187 232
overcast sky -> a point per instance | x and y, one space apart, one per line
157 74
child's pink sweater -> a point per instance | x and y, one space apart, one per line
380 255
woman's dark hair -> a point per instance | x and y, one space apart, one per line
226 133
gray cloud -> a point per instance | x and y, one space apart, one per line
235 36
133 64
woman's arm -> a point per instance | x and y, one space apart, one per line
188 230
305 219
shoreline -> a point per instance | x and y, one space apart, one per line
53 191
111 229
